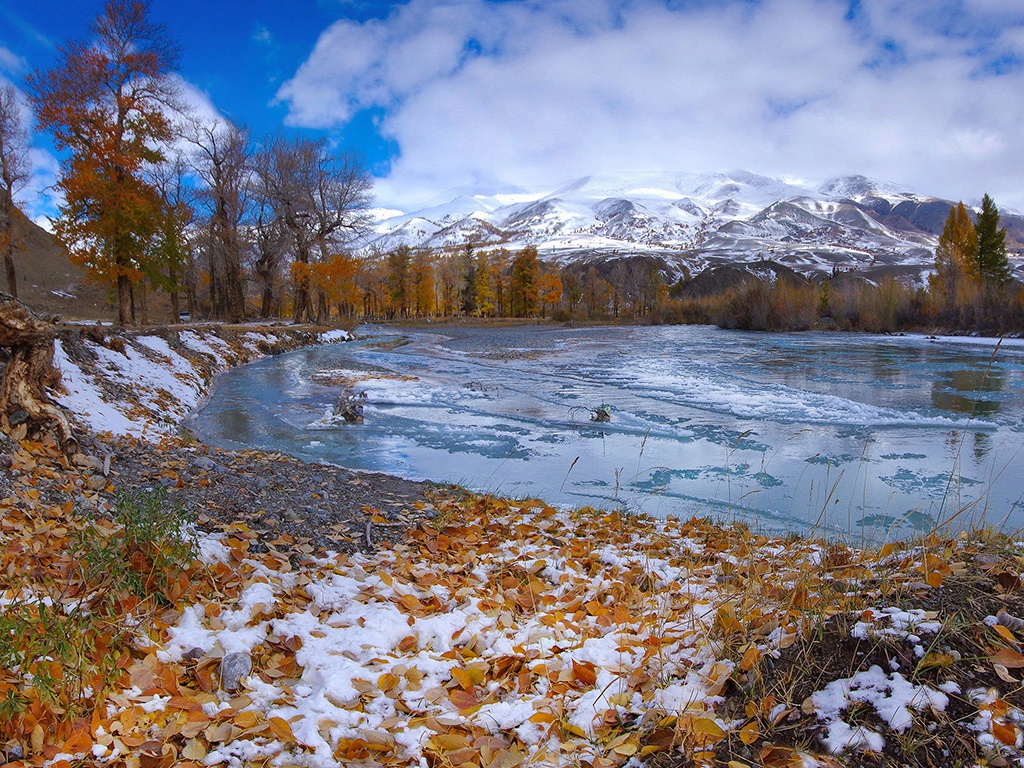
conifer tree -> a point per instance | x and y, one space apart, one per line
991 259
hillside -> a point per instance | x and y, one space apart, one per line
48 281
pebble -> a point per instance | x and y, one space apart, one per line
232 669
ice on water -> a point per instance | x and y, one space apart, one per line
827 432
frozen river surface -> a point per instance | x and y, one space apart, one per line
866 436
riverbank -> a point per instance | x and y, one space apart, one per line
454 629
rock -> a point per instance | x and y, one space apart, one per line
17 417
194 654
204 463
232 669
6 462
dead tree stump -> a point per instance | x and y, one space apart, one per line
29 337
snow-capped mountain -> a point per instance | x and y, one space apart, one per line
692 221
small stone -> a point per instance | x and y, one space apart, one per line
204 463
232 669
194 654
17 417
6 462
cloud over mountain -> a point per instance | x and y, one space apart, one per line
476 91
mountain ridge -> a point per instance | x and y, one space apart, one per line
691 221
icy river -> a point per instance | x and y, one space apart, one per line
848 435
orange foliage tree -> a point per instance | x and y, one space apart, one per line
108 103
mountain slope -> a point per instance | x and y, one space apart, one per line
692 221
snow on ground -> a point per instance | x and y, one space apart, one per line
141 386
528 631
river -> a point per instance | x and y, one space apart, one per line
857 436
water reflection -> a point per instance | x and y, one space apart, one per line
968 389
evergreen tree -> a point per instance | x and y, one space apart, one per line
991 259
469 295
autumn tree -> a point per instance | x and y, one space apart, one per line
955 257
399 279
991 260
485 284
550 290
500 265
108 103
524 287
422 276
13 173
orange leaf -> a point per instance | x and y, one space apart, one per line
584 672
1005 732
387 681
1008 657
463 700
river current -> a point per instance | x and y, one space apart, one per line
857 436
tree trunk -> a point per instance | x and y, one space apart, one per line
124 300
30 340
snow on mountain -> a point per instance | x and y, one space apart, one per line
691 221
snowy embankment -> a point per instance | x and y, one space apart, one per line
144 385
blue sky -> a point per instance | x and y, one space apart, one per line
481 94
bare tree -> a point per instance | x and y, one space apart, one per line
271 241
222 160
14 171
172 251
319 198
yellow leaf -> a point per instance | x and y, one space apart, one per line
387 681
936 659
281 729
749 733
1005 632
625 749
705 726
750 658
886 550
194 750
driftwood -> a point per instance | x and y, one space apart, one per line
350 407
23 396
